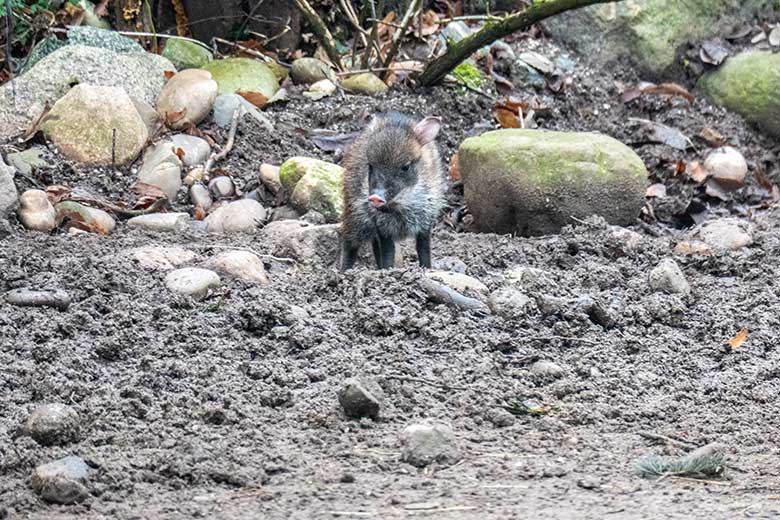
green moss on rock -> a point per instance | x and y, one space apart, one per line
532 182
468 74
243 74
185 54
748 84
314 185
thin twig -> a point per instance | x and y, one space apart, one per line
667 440
321 30
362 71
155 207
373 38
246 20
242 48
471 18
218 156
425 382
415 6
147 34
701 480
250 250
563 338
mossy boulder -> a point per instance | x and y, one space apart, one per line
185 54
243 75
365 83
314 185
748 84
650 33
83 125
533 182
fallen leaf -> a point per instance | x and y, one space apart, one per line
179 152
657 190
503 85
385 29
331 141
661 133
679 167
697 172
454 170
713 189
57 193
506 118
671 89
694 247
199 213
256 98
143 189
739 339
169 74
712 137
713 52
174 117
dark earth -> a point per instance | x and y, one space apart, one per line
228 408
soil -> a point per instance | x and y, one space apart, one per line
227 408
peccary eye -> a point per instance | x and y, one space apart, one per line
406 167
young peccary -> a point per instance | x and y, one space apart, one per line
393 188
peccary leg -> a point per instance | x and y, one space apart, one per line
349 253
423 244
377 252
387 252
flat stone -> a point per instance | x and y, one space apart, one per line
459 281
425 444
361 398
62 481
163 258
53 424
668 277
29 298
725 233
243 265
174 222
192 281
239 216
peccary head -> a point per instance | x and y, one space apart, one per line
394 151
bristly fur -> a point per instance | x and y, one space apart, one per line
390 138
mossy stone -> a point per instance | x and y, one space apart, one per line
243 75
185 54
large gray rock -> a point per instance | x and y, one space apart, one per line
62 481
306 243
243 265
9 198
96 125
162 168
141 75
53 423
314 185
649 33
244 215
36 212
748 84
533 182
192 281
187 98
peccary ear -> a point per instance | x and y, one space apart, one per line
427 129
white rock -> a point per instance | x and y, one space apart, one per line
459 281
544 368
162 168
726 233
509 302
9 198
187 98
200 196
320 89
36 212
668 277
196 150
727 166
243 265
161 221
192 281
423 444
222 187
239 216
163 258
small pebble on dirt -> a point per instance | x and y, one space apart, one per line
510 303
57 298
52 424
174 222
668 277
423 444
192 281
62 481
544 368
361 398
347 478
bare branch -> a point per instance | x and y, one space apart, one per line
321 30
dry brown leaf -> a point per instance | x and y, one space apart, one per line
179 152
174 117
385 29
506 118
143 189
657 190
256 98
200 213
169 74
679 167
454 170
712 137
739 339
57 193
671 89
697 172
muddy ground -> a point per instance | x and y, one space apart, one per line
227 408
